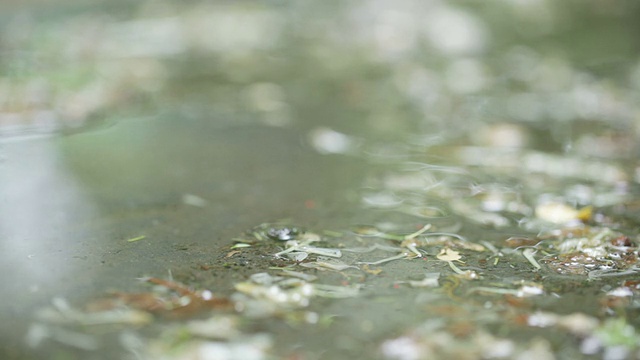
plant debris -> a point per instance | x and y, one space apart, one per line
180 301
591 251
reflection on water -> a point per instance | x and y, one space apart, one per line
42 212
42 205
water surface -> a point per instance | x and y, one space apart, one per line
145 140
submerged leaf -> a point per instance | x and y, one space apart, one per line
447 254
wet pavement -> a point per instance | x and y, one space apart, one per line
361 180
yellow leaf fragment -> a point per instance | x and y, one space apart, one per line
447 254
585 213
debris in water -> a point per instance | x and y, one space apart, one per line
615 338
295 246
450 256
138 238
403 255
528 254
590 251
371 271
324 263
270 294
447 254
216 327
410 242
558 213
430 280
40 332
179 303
283 233
289 294
525 290
194 200
63 314
245 347
240 245
328 141
299 275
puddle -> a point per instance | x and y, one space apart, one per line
365 180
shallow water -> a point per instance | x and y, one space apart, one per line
192 125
